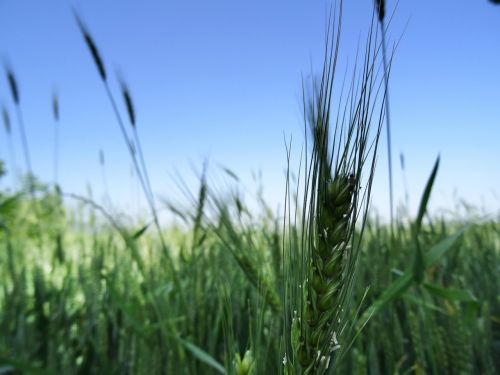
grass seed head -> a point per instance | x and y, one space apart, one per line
55 107
380 4
92 47
13 86
6 120
128 103
101 157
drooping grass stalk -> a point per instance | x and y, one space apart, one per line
14 89
319 291
162 332
130 146
137 143
31 177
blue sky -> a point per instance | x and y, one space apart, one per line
222 80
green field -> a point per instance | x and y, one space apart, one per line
81 296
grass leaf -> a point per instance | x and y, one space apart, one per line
140 232
202 356
418 263
450 293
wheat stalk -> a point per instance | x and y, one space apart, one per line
380 8
8 130
55 113
141 172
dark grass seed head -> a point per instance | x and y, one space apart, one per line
380 4
13 86
128 102
101 157
92 47
55 107
133 148
6 120
96 56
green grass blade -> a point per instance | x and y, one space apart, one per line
397 288
423 303
425 197
451 294
140 232
202 356
418 264
437 251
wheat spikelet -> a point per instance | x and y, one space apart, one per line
246 365
417 341
259 280
334 222
440 347
459 346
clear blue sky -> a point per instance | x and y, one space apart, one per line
222 80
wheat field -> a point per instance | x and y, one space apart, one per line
323 286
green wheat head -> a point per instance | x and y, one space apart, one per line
321 266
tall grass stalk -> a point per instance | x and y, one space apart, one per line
102 165
165 331
55 113
138 148
14 89
130 146
31 176
10 145
380 8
